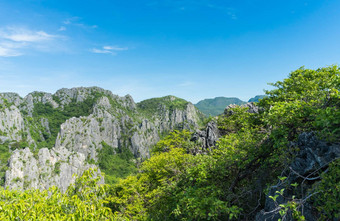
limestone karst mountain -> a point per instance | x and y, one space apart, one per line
52 136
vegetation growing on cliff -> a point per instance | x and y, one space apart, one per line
217 105
116 163
57 116
4 156
227 183
150 106
230 181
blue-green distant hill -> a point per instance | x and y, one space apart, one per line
216 106
256 98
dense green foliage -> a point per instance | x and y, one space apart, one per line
216 106
4 156
228 182
327 202
116 165
154 105
82 201
5 104
307 100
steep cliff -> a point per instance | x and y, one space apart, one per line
65 131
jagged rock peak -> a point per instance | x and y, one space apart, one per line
78 94
39 97
10 97
9 94
207 137
252 108
84 120
314 155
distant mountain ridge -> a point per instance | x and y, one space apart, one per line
257 98
216 106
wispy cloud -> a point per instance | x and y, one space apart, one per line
70 20
108 50
102 51
24 35
13 40
115 48
8 52
62 28
76 21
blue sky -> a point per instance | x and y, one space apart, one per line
193 49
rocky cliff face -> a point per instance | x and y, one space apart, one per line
54 136
314 156
208 137
12 123
54 167
251 108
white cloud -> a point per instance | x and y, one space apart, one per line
115 48
8 52
62 28
24 35
108 50
70 20
101 51
14 40
10 48
74 21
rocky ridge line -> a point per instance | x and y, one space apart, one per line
117 121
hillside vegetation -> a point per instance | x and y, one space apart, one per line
232 181
216 106
257 98
154 105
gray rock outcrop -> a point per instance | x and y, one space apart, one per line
12 123
116 121
251 108
208 137
314 155
48 168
